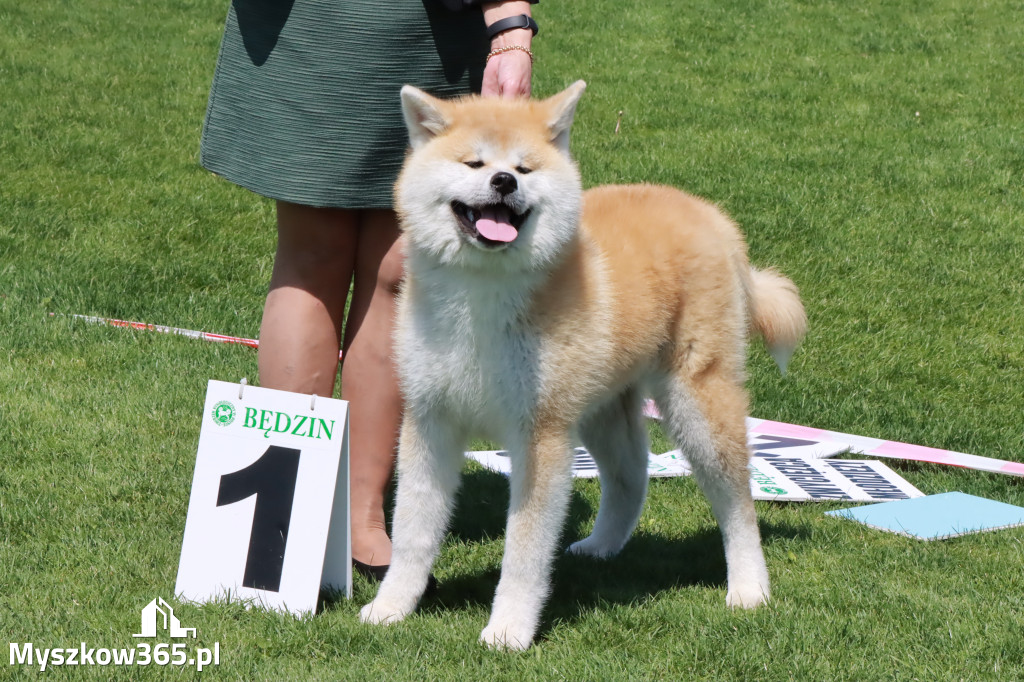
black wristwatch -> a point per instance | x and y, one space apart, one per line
509 23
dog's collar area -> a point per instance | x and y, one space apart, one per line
492 226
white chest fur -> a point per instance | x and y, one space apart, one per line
468 354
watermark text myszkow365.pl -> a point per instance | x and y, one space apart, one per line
154 615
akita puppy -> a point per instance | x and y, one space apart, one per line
534 313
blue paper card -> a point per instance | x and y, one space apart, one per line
936 517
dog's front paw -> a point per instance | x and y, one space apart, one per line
748 596
506 637
593 547
379 612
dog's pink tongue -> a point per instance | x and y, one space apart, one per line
494 224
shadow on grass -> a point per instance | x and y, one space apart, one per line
650 564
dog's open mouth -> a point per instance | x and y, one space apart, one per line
493 225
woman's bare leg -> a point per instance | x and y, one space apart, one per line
302 319
318 252
369 381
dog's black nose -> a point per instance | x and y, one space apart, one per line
504 183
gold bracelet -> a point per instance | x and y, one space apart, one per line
508 48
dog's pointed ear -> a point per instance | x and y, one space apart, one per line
424 116
561 110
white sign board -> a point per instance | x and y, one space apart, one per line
765 445
775 477
796 479
583 464
268 515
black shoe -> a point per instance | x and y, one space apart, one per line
372 572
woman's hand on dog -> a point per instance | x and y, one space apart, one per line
508 73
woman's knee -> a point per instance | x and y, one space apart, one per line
381 251
391 273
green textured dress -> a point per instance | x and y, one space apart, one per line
304 105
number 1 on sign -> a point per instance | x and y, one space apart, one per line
271 478
267 517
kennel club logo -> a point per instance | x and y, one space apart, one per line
223 413
158 621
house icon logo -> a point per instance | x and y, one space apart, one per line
170 623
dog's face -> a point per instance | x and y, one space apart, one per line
489 184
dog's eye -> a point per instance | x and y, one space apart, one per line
523 170
474 164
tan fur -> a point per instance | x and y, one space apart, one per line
627 289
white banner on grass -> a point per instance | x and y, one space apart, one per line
800 479
583 465
873 447
772 477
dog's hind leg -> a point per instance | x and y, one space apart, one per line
616 436
706 417
541 484
429 464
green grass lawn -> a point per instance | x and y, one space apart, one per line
872 151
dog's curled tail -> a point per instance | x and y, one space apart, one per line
776 313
